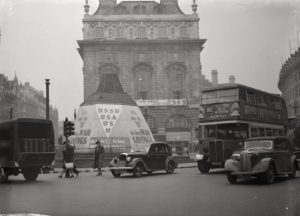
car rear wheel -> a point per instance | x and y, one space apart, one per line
203 166
231 178
293 174
3 175
30 173
138 170
170 167
269 176
115 173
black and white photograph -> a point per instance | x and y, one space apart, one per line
149 107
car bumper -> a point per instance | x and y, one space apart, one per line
248 173
120 168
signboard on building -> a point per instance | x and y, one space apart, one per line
165 102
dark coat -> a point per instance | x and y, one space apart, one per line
68 155
99 152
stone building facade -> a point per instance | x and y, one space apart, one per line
289 84
23 101
155 50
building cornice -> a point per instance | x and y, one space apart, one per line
140 42
140 18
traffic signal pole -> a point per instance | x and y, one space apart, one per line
68 128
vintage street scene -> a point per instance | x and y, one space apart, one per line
149 108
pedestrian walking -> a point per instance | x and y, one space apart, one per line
68 161
99 156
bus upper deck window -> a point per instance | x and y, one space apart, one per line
209 97
228 95
250 97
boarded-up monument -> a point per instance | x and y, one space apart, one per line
111 116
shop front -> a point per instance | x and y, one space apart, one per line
180 141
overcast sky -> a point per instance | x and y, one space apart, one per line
245 38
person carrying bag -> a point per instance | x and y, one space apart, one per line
68 161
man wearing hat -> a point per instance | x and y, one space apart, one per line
99 155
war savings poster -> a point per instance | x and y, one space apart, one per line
120 128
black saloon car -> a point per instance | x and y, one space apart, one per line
159 157
263 158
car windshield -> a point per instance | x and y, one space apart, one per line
267 144
140 148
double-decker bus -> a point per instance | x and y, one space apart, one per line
26 146
229 114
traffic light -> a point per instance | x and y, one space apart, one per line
65 127
70 128
197 132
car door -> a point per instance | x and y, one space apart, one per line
161 156
154 157
281 155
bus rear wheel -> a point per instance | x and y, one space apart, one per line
203 166
30 173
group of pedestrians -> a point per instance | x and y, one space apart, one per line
69 169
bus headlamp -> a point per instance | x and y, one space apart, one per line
128 159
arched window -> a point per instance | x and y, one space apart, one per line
151 123
162 32
183 31
108 68
178 121
99 32
143 77
141 32
139 9
176 75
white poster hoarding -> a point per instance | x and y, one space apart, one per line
121 128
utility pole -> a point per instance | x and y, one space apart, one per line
47 98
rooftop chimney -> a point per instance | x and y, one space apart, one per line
214 77
231 79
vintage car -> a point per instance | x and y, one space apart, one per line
158 157
263 158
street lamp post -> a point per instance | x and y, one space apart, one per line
47 98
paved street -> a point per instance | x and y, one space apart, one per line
187 192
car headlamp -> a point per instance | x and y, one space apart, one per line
235 156
128 159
